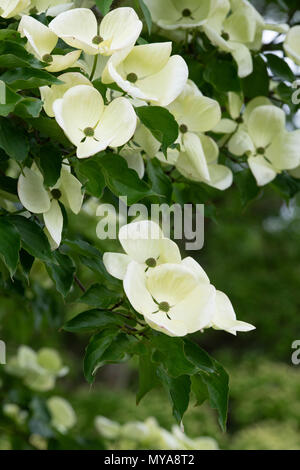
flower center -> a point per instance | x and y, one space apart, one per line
151 262
260 150
47 58
183 128
56 194
186 12
89 131
97 40
240 120
132 77
225 36
164 307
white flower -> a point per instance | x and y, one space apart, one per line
148 72
263 139
42 41
89 124
198 156
120 28
144 243
292 44
11 8
55 92
51 7
39 200
236 33
172 14
63 416
224 317
175 299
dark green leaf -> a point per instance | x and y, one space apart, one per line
218 390
222 75
8 184
61 271
121 180
99 296
9 244
199 389
257 83
178 390
90 174
198 356
8 99
92 319
147 375
26 78
95 350
13 140
33 238
104 5
247 186
50 162
147 15
49 128
29 108
171 355
280 68
286 185
13 55
161 183
160 122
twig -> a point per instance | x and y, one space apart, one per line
79 283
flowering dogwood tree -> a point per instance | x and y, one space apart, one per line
160 102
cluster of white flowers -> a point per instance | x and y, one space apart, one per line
149 434
234 26
38 370
11 8
174 295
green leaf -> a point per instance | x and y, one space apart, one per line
178 390
280 68
90 174
61 271
99 296
247 186
50 162
286 185
92 258
161 183
91 320
32 237
104 5
121 180
8 99
95 350
147 15
8 184
13 140
26 261
26 78
147 375
257 83
218 390
29 108
198 356
222 75
9 244
171 355
13 55
50 129
160 122
199 389
120 350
